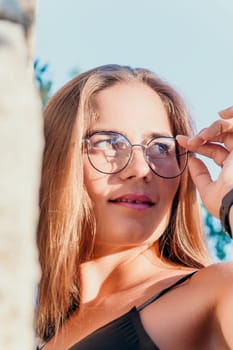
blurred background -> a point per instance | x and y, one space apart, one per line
189 43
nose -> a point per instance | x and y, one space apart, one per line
137 166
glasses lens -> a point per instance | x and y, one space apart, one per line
108 152
165 157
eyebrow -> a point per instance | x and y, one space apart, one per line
159 134
145 136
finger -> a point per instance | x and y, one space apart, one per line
220 131
182 140
213 151
191 143
217 131
226 113
205 186
200 175
216 152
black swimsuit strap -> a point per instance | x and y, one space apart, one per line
164 291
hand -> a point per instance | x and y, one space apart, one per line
204 143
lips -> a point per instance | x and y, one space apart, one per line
133 201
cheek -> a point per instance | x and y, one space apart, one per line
94 181
169 188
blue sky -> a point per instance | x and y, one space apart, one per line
187 42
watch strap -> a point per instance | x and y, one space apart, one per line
227 202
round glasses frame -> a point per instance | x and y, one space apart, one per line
86 140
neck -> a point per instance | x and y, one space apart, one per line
116 272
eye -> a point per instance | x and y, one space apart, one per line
109 142
104 144
160 149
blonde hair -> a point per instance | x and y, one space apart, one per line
66 228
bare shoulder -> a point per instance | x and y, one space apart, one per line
214 284
218 274
202 307
220 288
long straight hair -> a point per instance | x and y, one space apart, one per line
66 229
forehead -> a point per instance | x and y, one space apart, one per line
132 108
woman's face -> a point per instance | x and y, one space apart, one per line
131 207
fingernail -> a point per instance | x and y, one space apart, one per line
184 136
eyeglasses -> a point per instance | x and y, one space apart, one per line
110 152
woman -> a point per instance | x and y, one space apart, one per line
123 259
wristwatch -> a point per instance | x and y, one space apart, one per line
227 202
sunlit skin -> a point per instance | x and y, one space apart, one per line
127 268
138 113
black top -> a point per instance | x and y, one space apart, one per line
125 332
